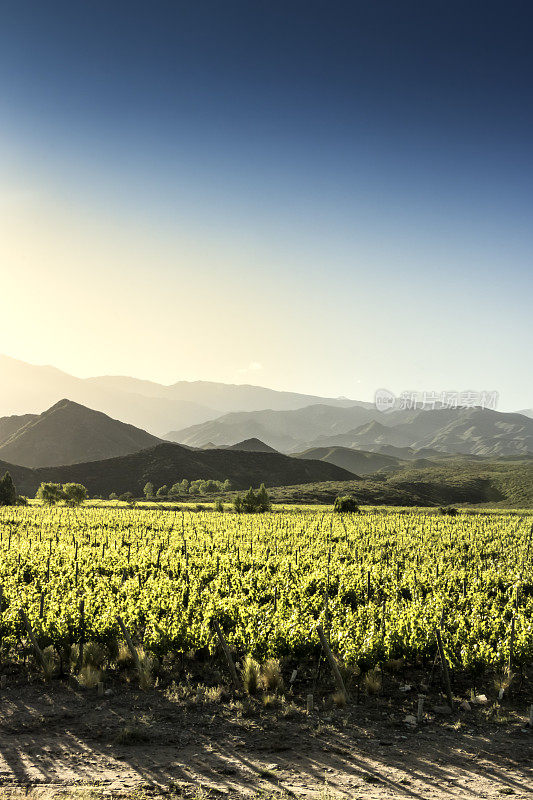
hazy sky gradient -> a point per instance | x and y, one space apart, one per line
325 197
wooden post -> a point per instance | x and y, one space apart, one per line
445 670
511 645
132 649
224 645
531 716
38 652
79 662
420 709
310 704
100 689
333 664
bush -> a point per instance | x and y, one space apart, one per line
346 505
449 511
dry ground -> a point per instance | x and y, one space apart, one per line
130 743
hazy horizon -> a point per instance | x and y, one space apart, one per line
317 198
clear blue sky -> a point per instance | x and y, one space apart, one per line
318 196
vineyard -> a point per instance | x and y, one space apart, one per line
381 584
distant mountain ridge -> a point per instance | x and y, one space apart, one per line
27 388
68 433
471 431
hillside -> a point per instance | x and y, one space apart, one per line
359 462
506 484
167 463
12 424
27 388
68 433
285 431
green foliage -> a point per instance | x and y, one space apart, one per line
50 493
113 496
253 503
346 504
74 494
162 491
149 490
389 577
8 493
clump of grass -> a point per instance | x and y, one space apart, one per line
94 655
132 733
146 668
270 701
503 680
50 662
339 698
90 676
372 681
251 675
214 694
124 657
271 675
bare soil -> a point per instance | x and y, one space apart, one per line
56 737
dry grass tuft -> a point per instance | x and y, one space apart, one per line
251 675
124 657
372 681
90 676
339 698
94 655
147 664
51 662
271 675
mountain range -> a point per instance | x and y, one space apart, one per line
473 431
28 389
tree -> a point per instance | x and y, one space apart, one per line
237 504
262 498
74 494
149 490
8 493
219 506
184 486
113 496
346 504
249 501
226 486
162 491
49 493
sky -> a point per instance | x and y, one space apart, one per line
323 197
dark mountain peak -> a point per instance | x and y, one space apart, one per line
252 445
68 433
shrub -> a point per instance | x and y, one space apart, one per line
346 505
